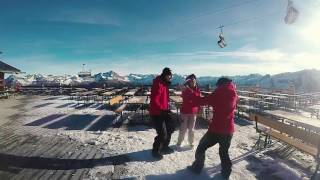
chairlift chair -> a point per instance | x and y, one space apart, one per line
222 43
292 13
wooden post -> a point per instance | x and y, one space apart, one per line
1 81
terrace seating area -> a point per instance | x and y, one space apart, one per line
276 117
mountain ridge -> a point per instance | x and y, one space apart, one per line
307 80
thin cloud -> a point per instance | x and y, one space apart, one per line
260 55
259 63
93 17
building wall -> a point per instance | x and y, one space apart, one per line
1 81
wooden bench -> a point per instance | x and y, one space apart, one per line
4 94
297 137
116 100
119 111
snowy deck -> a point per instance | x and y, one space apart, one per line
45 137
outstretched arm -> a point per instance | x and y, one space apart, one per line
201 101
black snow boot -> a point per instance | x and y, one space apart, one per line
194 170
157 155
167 150
226 174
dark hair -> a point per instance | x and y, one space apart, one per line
222 81
166 71
191 76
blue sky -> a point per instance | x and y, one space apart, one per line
143 36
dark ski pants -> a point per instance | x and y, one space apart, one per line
164 127
209 140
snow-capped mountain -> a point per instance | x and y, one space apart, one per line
302 81
139 79
39 80
108 76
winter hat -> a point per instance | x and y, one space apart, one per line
188 78
166 71
222 81
192 76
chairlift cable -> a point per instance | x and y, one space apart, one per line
256 18
217 11
222 10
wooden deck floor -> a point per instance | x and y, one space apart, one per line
32 152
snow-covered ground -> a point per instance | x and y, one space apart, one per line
132 144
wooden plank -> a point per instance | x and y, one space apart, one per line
272 96
91 155
68 174
120 109
108 93
305 136
5 142
248 98
293 142
297 118
137 100
61 154
116 100
316 107
30 150
176 99
178 93
56 174
14 143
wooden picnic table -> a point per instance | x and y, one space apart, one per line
267 103
315 110
286 95
116 90
297 119
315 107
271 96
131 92
138 100
108 93
176 99
80 90
247 98
310 94
4 94
241 109
244 107
242 92
98 89
205 93
88 93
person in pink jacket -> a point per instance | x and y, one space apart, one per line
188 110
